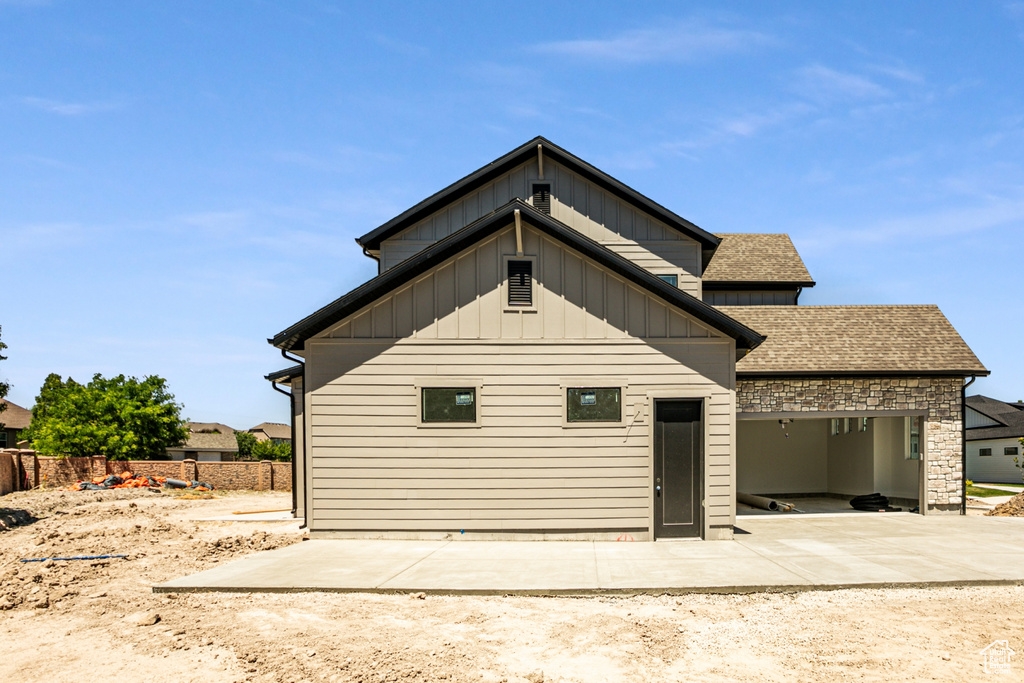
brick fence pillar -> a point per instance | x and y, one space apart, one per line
266 476
98 466
188 470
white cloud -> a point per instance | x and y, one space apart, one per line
69 108
746 125
676 42
818 82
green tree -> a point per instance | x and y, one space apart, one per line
121 418
246 443
268 450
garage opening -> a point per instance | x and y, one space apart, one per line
819 464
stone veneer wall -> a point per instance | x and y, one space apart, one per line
940 396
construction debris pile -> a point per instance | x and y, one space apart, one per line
1011 508
127 480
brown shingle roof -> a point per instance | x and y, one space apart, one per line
854 339
14 416
274 430
747 257
198 440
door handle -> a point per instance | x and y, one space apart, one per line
658 490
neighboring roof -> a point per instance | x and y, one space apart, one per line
14 416
1010 416
287 374
480 177
295 336
274 430
751 259
854 340
201 440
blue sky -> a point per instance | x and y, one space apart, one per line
181 180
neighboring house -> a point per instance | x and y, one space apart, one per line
272 431
13 419
545 352
994 429
207 442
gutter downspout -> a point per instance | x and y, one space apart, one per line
799 291
963 445
295 500
291 403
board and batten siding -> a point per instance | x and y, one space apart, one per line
463 299
375 469
576 202
751 298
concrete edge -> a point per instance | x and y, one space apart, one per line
589 592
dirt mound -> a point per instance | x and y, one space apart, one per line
1011 508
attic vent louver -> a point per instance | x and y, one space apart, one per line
542 197
520 283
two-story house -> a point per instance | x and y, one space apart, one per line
547 353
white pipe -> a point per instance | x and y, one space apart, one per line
757 501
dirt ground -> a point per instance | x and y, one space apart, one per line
99 621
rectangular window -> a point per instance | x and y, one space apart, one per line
1010 450
863 424
520 283
834 426
542 197
448 404
984 451
671 279
914 443
593 404
3 439
847 425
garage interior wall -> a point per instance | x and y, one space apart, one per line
810 461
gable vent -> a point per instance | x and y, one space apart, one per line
542 197
520 283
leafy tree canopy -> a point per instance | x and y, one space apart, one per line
121 418
249 448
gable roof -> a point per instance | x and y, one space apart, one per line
1010 417
286 375
274 430
755 258
521 154
854 340
14 416
294 337
199 438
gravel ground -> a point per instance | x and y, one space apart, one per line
98 620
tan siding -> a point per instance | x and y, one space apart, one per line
374 469
576 202
463 299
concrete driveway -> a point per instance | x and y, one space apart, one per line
768 553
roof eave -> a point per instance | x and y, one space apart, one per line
719 285
745 337
371 240
754 374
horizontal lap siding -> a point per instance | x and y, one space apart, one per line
374 469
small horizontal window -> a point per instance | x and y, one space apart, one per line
984 451
1010 450
449 404
599 404
671 279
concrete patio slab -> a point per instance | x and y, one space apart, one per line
780 553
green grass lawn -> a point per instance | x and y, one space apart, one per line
980 492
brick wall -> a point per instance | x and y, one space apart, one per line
939 396
255 476
8 474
